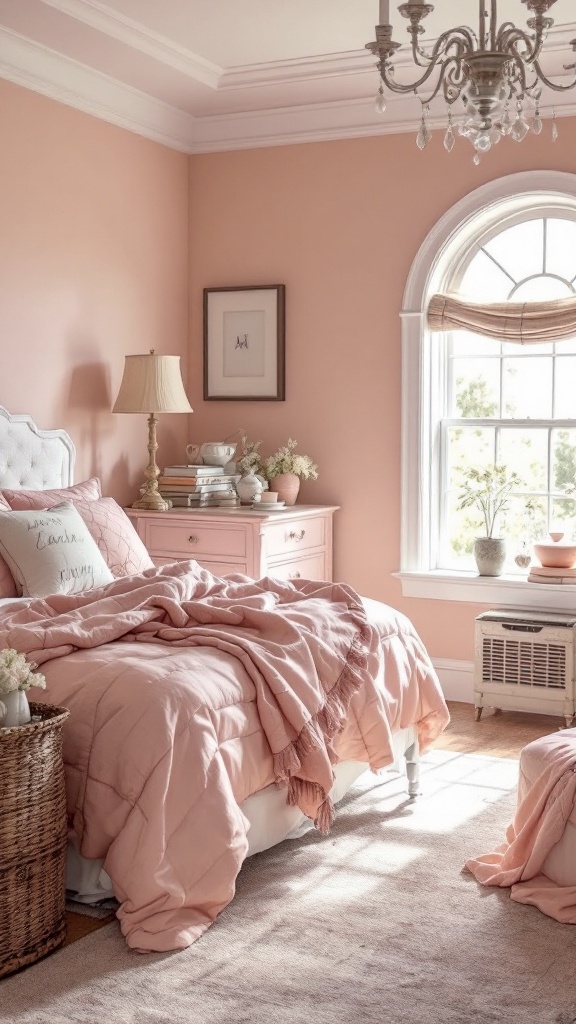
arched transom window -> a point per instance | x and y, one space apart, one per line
470 400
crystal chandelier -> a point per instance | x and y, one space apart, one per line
496 73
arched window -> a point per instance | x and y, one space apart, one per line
470 400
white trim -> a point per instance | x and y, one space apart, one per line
138 37
500 592
45 71
456 679
515 192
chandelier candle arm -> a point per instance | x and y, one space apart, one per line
487 72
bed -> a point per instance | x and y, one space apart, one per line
210 718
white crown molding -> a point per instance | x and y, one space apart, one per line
43 70
111 23
286 72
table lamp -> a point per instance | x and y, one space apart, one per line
152 384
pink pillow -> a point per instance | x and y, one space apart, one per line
119 544
22 500
7 584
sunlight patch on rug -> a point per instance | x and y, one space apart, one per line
375 923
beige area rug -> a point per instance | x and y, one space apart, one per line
374 924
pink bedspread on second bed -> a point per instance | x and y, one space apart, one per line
187 694
545 803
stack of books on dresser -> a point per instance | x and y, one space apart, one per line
198 486
551 574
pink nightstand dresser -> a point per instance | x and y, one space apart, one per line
293 544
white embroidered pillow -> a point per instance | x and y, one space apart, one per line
51 552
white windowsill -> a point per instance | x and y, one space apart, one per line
501 591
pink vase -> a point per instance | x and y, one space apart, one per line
286 486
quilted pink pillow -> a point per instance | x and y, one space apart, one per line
7 584
21 501
119 544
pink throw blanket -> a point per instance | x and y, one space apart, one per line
187 694
544 805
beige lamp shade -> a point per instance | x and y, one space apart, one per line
152 383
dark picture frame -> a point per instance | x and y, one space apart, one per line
244 343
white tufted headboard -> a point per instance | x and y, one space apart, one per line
33 458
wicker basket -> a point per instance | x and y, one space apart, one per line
33 839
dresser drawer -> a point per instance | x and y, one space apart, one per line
194 539
311 568
294 537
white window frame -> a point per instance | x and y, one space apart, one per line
422 381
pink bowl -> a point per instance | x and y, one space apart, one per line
558 556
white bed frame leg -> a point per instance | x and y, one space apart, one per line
412 757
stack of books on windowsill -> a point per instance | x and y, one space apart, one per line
197 486
551 574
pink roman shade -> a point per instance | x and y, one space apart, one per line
526 323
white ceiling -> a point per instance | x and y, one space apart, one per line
208 75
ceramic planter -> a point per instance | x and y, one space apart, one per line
490 553
286 486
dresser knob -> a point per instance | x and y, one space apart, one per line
193 539
297 536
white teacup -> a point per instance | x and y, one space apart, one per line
213 453
268 497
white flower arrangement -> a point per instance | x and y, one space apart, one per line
250 461
17 674
285 460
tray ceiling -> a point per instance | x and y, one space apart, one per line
209 75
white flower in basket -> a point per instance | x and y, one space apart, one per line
16 674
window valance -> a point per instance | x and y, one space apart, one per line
526 323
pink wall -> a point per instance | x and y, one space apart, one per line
103 233
340 224
93 265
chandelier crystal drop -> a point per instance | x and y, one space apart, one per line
495 73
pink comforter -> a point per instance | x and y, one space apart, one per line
187 694
545 803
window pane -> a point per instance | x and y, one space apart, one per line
563 518
484 281
527 387
524 523
561 247
526 453
468 446
476 389
465 343
563 455
539 289
565 388
566 347
519 249
462 528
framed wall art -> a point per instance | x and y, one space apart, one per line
244 358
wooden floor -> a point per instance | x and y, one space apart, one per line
500 735
496 735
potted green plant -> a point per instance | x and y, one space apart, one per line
488 490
